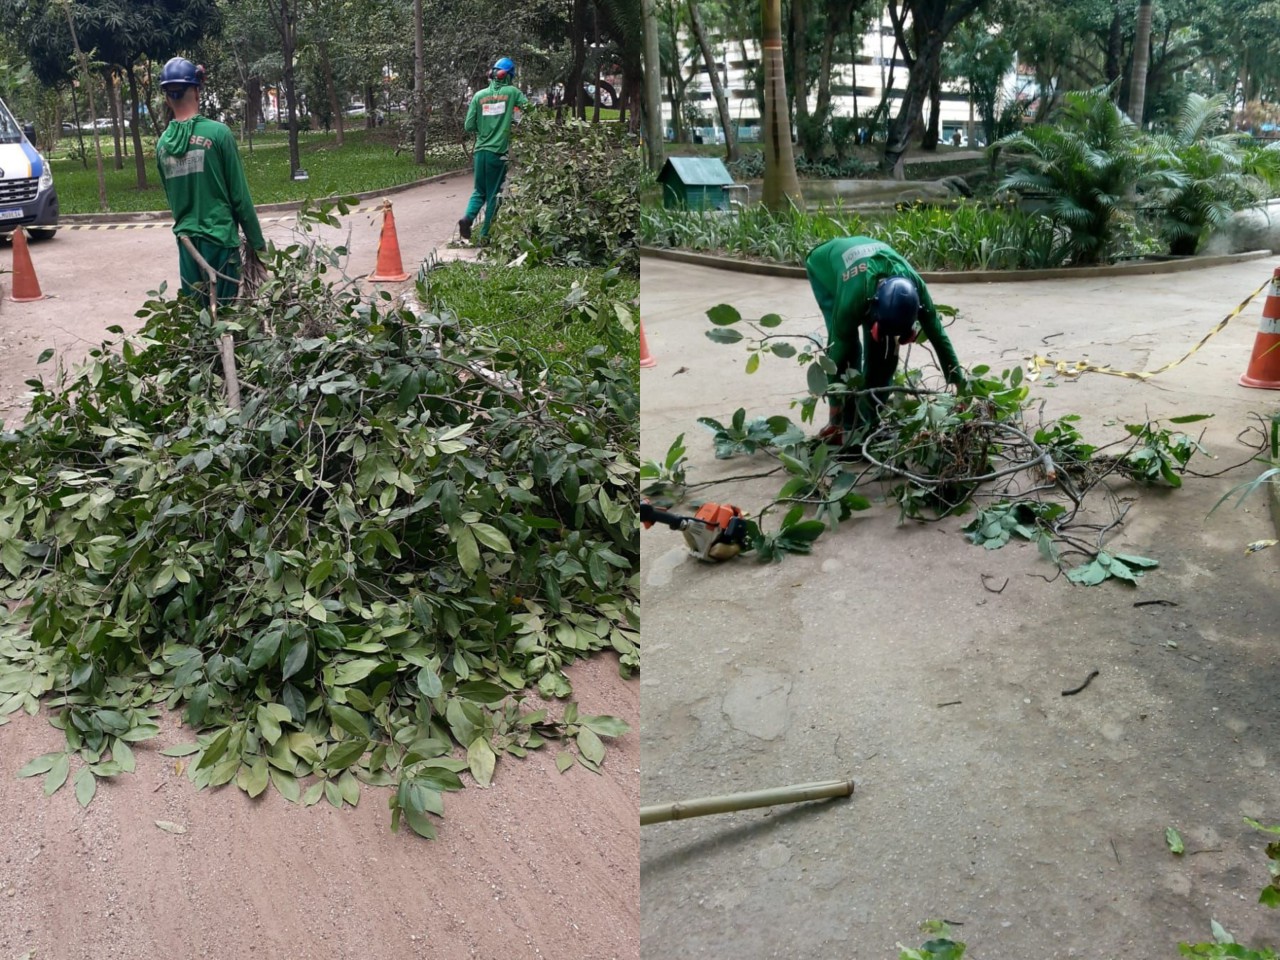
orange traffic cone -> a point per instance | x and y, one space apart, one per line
1264 364
25 285
646 359
390 268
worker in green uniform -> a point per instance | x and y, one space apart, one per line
489 117
864 287
205 184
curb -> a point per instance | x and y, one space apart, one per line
764 269
148 216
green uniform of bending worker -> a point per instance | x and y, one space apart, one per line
205 184
490 117
864 287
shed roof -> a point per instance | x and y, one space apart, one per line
697 171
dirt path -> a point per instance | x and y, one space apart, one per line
539 866
983 796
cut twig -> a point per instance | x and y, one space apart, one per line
1153 603
951 703
985 578
1087 680
661 813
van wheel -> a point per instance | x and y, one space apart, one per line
40 233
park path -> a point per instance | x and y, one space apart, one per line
983 795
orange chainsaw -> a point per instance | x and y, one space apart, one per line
716 532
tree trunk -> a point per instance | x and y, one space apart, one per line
335 107
75 107
140 162
595 73
1115 44
288 43
781 186
370 108
573 88
109 77
932 133
717 88
93 110
931 23
652 101
837 18
810 140
1141 60
420 91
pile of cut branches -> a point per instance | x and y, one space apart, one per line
935 453
352 579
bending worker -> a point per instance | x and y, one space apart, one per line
865 286
489 117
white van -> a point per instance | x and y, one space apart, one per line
27 197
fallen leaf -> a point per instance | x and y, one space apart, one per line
169 827
1174 839
1260 545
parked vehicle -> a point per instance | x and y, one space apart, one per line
27 196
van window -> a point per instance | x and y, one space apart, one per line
10 132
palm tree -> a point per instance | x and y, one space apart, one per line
652 86
781 186
1085 164
1141 60
1218 176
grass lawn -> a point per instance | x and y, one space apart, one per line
527 303
362 164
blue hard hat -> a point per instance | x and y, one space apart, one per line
181 72
896 306
504 69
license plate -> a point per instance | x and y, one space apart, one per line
11 214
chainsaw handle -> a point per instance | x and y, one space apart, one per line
650 515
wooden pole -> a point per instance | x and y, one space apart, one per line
226 344
704 806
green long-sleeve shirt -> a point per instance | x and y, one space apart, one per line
844 274
490 114
205 184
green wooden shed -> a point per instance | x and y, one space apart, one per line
695 182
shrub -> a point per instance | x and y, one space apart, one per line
574 194
1087 165
1219 176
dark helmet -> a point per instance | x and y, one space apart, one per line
895 307
504 69
180 73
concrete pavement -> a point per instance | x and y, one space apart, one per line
1035 820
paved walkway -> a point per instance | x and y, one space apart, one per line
1036 820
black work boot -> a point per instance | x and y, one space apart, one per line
464 228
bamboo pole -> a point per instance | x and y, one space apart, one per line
226 344
704 806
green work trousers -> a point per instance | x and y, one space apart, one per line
876 360
490 172
195 284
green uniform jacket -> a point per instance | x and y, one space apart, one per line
844 274
490 114
204 182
